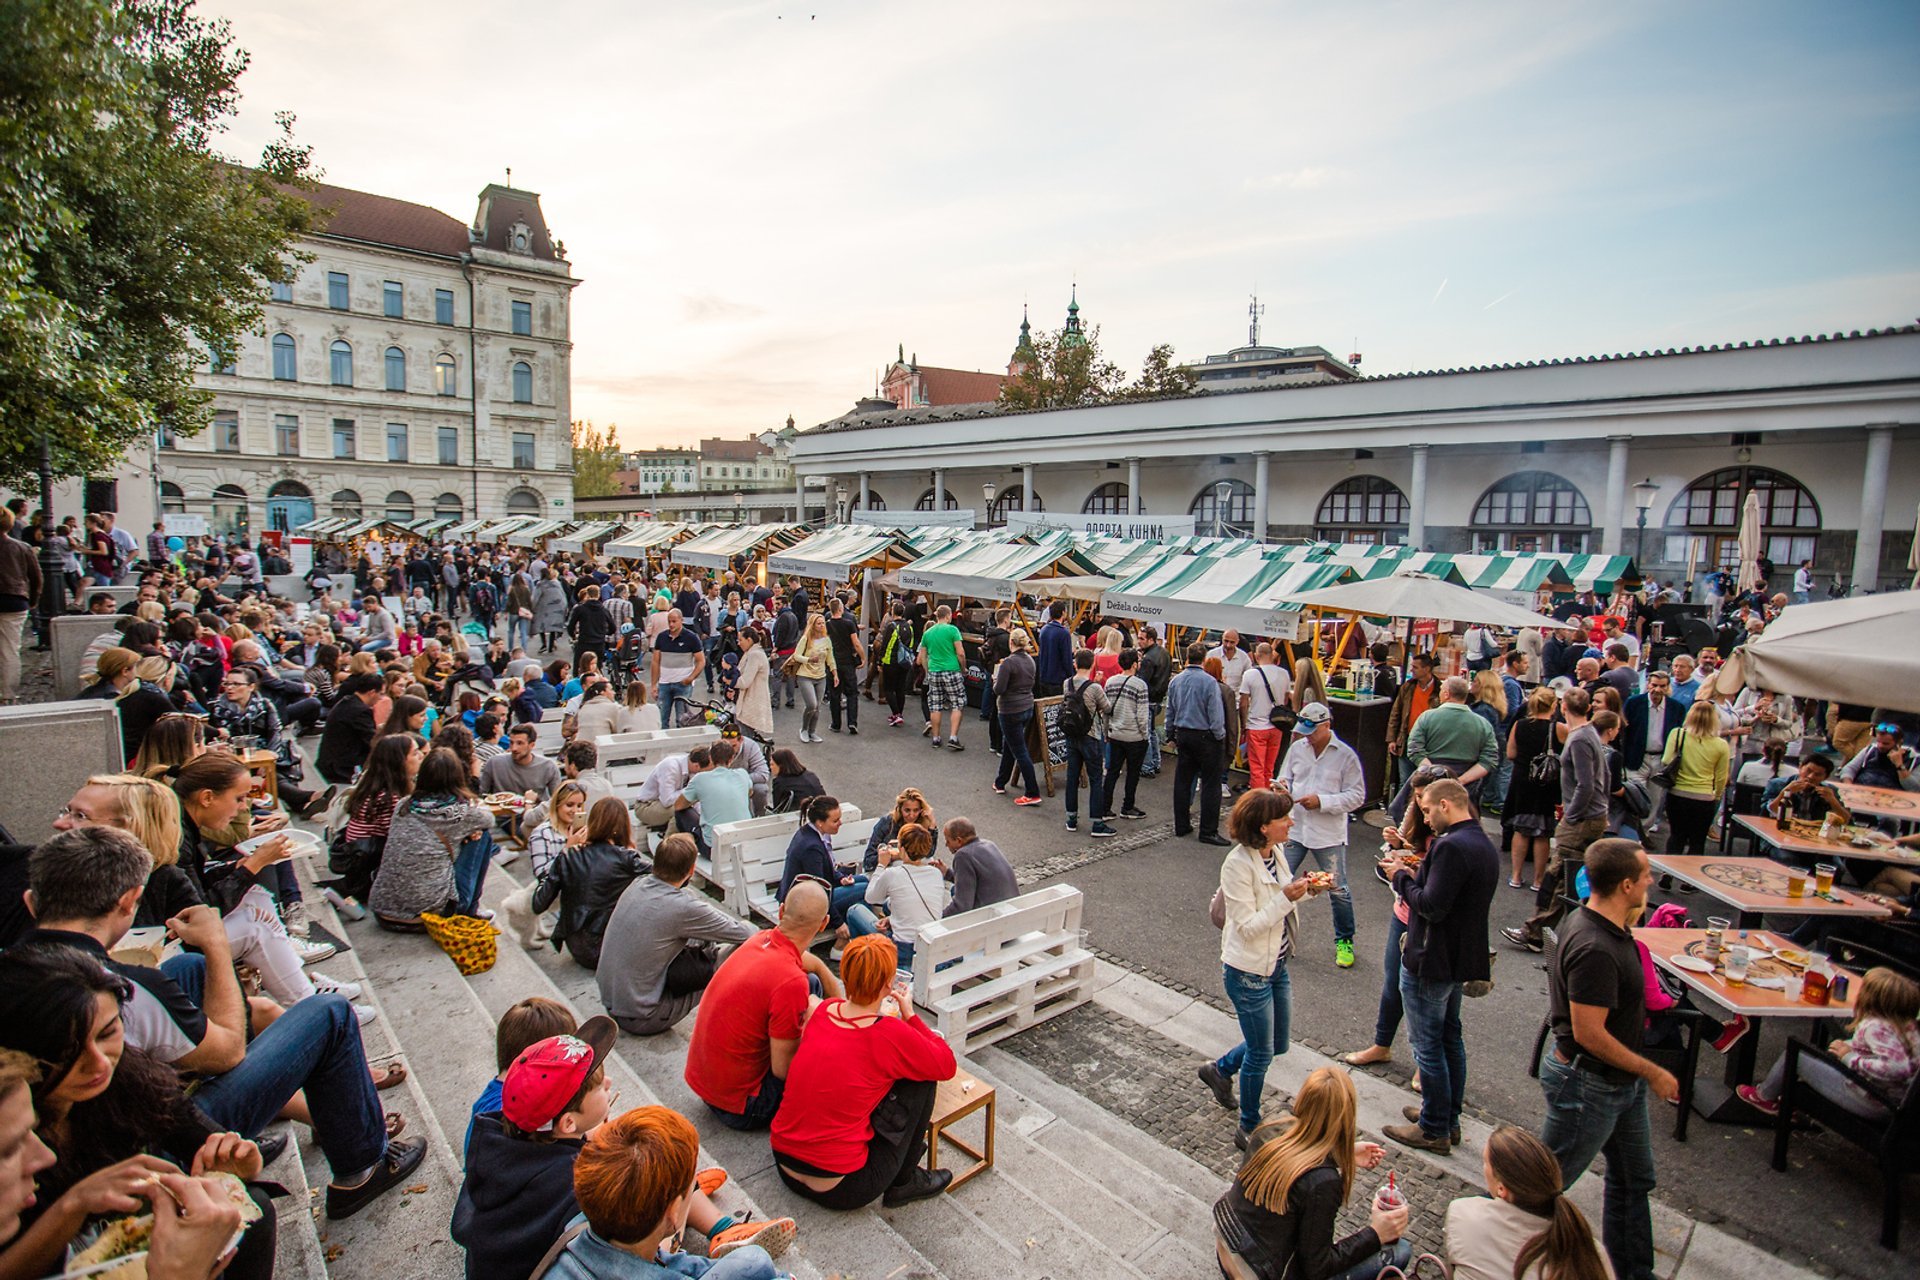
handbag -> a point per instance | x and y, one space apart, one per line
1419 1270
1217 909
471 943
1668 774
1279 714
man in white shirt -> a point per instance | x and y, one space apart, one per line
653 804
1234 661
1323 776
1265 686
1617 633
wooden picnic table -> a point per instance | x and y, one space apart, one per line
1880 802
1755 886
1713 1099
1880 849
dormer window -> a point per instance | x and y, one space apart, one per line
520 238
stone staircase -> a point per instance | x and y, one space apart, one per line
1074 1192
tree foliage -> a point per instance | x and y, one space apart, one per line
129 249
1058 373
596 457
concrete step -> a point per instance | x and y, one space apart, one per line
298 1253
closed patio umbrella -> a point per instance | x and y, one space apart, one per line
1750 542
1913 552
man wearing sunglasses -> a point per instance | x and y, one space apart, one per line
1885 762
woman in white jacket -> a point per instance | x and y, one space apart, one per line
1255 943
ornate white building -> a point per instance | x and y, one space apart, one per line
416 366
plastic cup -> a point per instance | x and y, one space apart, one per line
1823 878
1737 958
1796 883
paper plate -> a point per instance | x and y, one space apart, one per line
1692 964
303 842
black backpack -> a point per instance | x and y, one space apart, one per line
1076 717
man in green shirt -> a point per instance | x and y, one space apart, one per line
1453 734
944 658
720 794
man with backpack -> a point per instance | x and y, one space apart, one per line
1083 714
484 602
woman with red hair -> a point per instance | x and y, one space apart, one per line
853 1120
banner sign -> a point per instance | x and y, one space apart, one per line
186 526
1141 528
961 519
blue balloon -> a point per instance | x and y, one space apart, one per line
176 543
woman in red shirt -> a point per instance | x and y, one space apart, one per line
853 1120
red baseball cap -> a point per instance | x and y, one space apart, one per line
547 1075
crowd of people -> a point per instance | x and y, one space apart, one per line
428 721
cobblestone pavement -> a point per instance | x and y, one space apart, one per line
1147 1079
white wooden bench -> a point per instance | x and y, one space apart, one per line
547 738
1019 962
749 857
650 746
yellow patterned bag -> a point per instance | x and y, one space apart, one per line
469 941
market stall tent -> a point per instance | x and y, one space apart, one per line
1414 595
994 570
1249 593
834 554
1601 575
637 540
1516 579
464 528
1432 563
1858 650
527 535
501 528
716 548
578 540
1083 587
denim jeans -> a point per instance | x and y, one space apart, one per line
313 1046
519 631
1332 858
1152 764
759 1109
863 919
1495 792
1264 1005
1090 752
845 898
670 693
1439 1050
1014 754
470 871
1588 1116
1386 1024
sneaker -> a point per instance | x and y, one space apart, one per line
775 1235
401 1159
293 915
834 727
333 986
926 731
1241 1138
1073 822
310 952
920 1184
956 745
937 744
482 913
1520 938
1343 952
1132 814
1101 831
1380 873
1751 1096
364 1013
1217 1080
1024 801
1413 1117
350 908
506 858
1412 1135
894 722
1731 1033
710 1180
853 731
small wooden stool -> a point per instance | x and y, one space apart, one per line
954 1100
265 768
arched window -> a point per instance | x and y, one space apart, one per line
341 356
874 502
400 505
289 489
1110 499
523 502
445 377
448 506
285 363
522 382
1709 510
1531 511
1011 500
396 369
229 510
926 501
1224 519
1365 509
346 502
172 499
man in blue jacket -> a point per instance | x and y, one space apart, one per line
1054 665
1651 716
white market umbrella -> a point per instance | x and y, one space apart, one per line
1417 595
1858 650
1750 542
1913 553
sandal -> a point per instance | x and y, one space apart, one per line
396 1124
390 1076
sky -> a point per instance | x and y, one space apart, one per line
765 200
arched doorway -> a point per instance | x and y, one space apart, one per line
1224 509
1364 509
1532 511
1708 512
1011 500
1110 499
229 511
926 501
289 505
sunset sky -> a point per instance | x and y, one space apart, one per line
763 200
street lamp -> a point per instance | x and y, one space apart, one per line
1643 496
840 499
1222 495
739 507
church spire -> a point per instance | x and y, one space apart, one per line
1073 335
1023 353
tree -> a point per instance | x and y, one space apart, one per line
1060 370
129 250
596 456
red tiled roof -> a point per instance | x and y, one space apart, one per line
959 386
733 450
360 215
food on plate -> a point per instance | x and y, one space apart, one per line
1791 956
502 799
127 1237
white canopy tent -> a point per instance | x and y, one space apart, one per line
1858 650
1082 586
1415 595
716 548
578 539
501 528
1249 593
637 540
833 554
527 535
994 570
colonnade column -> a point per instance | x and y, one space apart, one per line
1417 500
1026 487
865 489
1134 504
799 498
1260 460
940 489
1873 510
1615 514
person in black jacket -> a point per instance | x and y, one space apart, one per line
1156 668
589 626
1447 906
1276 1221
350 729
587 881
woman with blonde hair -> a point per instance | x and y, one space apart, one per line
909 807
812 660
1277 1218
1705 760
1106 654
1308 684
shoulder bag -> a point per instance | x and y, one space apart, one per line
1668 774
1280 716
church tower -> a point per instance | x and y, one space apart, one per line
1023 352
1073 335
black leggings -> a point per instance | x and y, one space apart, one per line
1688 822
891 1157
895 680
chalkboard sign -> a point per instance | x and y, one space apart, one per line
1046 743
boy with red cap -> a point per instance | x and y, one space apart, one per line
518 1193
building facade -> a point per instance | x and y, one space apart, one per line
651 471
416 366
1565 454
754 464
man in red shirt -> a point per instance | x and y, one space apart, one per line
750 1018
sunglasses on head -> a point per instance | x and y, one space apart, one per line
1887 728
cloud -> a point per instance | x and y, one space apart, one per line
1306 179
707 309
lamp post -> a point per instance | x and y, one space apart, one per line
739 507
987 491
1643 496
1222 495
840 499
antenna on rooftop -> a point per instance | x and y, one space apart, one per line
509 175
1254 312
